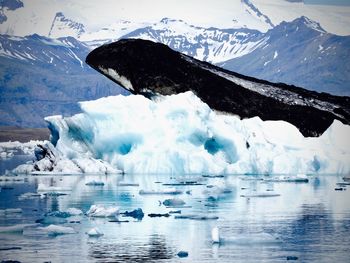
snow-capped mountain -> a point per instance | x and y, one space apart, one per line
302 53
209 44
64 27
40 76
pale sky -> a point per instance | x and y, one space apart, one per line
96 14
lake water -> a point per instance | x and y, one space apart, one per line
310 222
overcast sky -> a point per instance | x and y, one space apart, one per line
220 13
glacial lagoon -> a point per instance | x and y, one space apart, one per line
308 221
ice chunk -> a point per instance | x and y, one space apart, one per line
28 195
103 211
175 202
244 239
215 237
288 179
197 217
95 183
74 211
182 254
11 211
94 232
168 191
137 214
260 194
54 230
15 228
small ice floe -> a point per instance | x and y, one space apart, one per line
54 230
137 214
64 214
103 211
9 211
213 176
182 254
158 215
260 194
346 178
183 183
174 202
95 183
197 217
52 190
300 178
28 196
167 191
74 211
128 184
15 228
94 232
251 178
244 239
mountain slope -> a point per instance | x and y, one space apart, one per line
64 27
149 68
299 53
41 77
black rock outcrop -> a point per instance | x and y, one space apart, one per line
148 68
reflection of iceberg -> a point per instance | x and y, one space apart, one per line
181 134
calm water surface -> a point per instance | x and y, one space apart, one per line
310 220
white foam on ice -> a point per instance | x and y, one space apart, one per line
180 134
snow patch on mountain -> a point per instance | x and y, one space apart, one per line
64 27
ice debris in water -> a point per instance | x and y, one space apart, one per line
175 202
54 230
167 191
137 214
29 195
179 134
15 228
301 178
243 239
260 194
9 211
95 183
103 211
94 232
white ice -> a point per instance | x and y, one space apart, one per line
180 134
54 230
94 232
103 211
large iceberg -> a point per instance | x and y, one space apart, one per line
180 134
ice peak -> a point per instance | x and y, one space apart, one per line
63 26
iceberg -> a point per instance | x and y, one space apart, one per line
103 211
94 232
54 230
180 134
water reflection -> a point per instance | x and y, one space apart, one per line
312 220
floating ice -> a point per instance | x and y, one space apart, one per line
74 211
288 179
244 239
167 191
260 194
54 230
28 195
103 211
95 183
197 217
15 228
175 202
179 134
137 214
11 211
94 232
